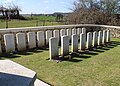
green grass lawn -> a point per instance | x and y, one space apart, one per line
35 21
100 67
26 23
48 18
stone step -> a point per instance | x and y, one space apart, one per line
13 74
40 83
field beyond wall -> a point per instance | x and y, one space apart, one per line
30 22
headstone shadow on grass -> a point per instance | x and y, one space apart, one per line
9 55
69 58
16 54
65 58
80 55
88 53
25 53
76 56
43 48
108 46
74 60
85 54
115 43
91 53
34 51
103 48
98 50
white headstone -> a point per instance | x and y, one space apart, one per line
48 35
82 41
69 33
0 47
56 34
79 31
89 40
84 30
64 45
74 31
31 40
108 36
9 42
62 32
100 38
95 38
21 41
74 43
0 44
53 47
40 38
104 36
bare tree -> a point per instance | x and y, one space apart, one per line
11 11
2 10
95 11
15 10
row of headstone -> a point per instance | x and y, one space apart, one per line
65 38
9 41
93 39
42 38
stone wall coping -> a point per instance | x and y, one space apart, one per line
44 28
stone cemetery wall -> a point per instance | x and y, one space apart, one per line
20 39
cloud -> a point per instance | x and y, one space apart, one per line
5 2
52 0
20 3
46 1
62 2
46 7
8 1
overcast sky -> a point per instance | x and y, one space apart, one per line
41 6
